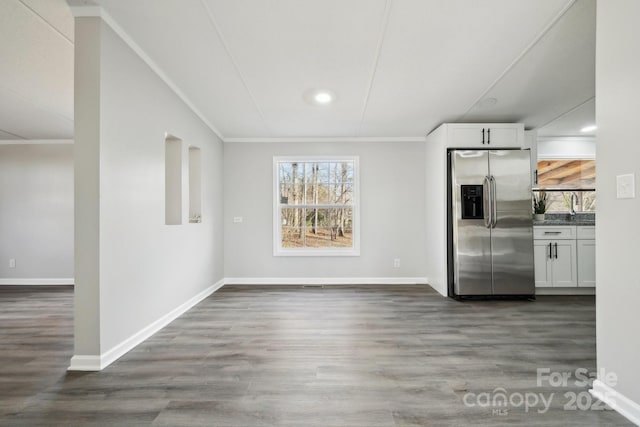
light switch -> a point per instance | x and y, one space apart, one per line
625 186
237 219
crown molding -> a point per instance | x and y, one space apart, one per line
38 282
35 141
87 9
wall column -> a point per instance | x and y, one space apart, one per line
87 194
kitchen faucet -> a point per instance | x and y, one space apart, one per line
572 203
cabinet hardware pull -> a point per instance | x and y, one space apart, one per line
487 195
552 232
556 246
482 136
494 201
550 256
488 135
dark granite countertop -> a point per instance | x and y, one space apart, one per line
582 218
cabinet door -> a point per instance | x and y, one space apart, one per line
564 263
483 135
542 263
466 136
587 263
505 136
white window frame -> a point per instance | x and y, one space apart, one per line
278 250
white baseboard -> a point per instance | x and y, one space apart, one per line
618 402
85 363
36 282
325 281
565 291
98 363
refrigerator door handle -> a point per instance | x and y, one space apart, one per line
494 202
486 190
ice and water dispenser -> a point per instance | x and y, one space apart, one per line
472 205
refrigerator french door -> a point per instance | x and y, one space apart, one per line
490 228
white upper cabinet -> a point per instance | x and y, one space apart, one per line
485 135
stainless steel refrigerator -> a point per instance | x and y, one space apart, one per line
490 240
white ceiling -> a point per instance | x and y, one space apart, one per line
570 123
36 71
399 67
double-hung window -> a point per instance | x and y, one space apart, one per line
316 209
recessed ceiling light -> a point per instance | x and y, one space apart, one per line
589 128
319 96
323 97
487 103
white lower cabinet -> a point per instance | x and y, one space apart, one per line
555 263
587 263
564 256
542 264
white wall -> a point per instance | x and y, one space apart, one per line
36 213
617 111
392 211
435 219
136 267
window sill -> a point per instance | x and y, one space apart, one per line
316 252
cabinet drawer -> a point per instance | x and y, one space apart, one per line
556 232
586 232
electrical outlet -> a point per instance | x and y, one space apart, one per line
237 219
396 263
12 263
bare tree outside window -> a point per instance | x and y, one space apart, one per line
316 204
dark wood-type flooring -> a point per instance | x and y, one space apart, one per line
305 356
